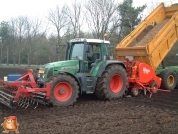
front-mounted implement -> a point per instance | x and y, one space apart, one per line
23 92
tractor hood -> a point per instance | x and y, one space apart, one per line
66 64
50 69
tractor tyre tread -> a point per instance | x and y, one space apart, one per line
164 75
177 80
54 80
103 90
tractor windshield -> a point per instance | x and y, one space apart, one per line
76 52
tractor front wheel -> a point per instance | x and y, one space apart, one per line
112 83
64 90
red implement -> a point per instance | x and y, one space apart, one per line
23 91
141 76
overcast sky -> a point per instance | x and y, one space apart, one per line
40 8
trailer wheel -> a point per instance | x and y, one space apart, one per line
64 90
169 79
112 83
153 85
177 80
135 92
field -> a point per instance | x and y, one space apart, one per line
130 115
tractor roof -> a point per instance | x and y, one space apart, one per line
89 40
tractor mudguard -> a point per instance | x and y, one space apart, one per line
102 66
82 80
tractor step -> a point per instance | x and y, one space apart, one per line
89 86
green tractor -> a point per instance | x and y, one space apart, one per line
88 68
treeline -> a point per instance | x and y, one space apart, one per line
25 40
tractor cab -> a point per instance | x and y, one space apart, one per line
89 52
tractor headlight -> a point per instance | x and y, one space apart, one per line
41 73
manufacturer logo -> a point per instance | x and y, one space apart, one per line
10 124
146 71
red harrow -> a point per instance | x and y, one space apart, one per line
23 92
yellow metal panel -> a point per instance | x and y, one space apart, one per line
154 51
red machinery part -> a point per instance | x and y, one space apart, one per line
141 76
23 90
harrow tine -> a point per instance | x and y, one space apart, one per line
20 100
36 105
31 102
27 103
24 103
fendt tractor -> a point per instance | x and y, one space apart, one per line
89 68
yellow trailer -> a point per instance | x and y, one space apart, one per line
151 41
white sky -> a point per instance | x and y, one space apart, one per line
40 8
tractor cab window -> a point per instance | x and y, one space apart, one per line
95 52
105 51
76 52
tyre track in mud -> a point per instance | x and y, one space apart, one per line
158 114
89 115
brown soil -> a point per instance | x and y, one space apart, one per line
148 34
131 115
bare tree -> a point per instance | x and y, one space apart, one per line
60 21
4 34
100 16
74 14
17 32
34 34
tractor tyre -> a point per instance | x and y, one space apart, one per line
177 80
112 83
64 90
153 85
169 79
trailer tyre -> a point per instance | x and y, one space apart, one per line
169 79
177 80
112 84
64 90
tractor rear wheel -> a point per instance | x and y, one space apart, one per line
169 79
64 90
112 84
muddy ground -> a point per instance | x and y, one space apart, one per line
132 115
